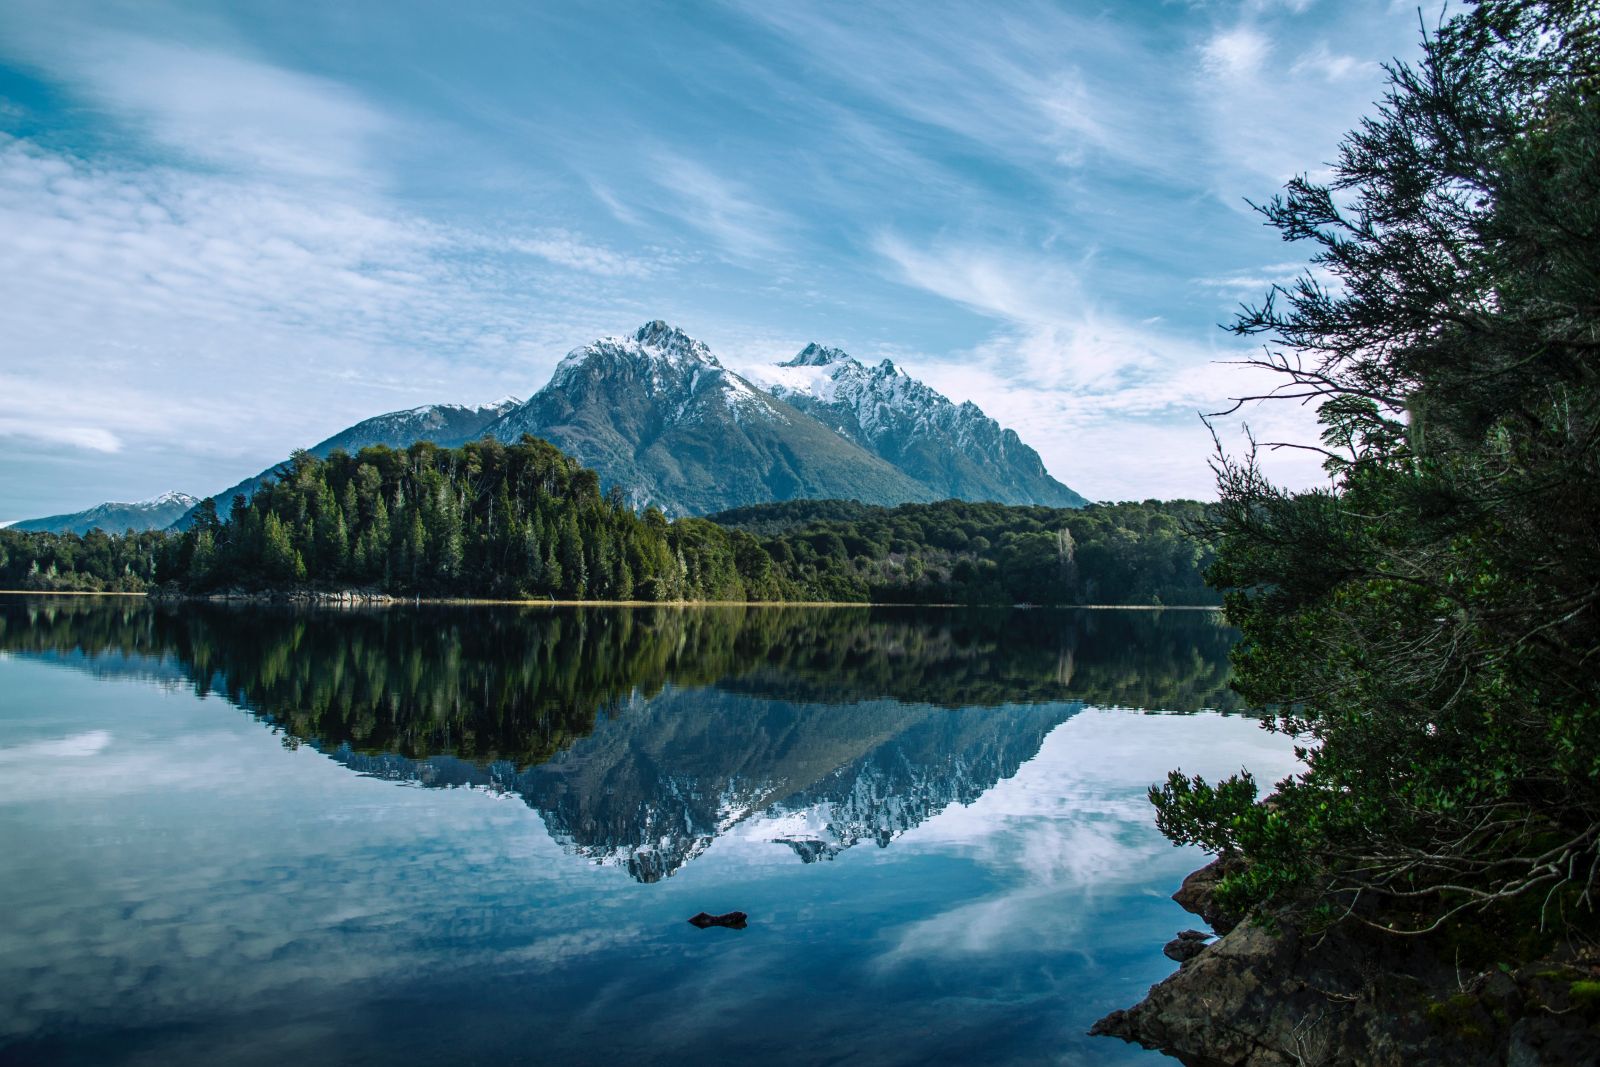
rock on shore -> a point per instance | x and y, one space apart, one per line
1268 995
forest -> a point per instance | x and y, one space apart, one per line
956 551
525 521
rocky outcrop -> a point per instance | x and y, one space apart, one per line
1268 994
1186 946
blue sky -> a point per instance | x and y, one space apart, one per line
232 230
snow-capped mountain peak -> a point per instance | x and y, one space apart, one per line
116 516
171 496
660 416
673 343
815 355
953 447
654 343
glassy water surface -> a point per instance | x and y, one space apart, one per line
475 834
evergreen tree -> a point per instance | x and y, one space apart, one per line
1427 625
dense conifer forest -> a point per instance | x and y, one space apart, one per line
525 521
956 551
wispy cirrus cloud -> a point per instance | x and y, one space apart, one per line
265 222
565 249
1271 99
219 108
1071 377
717 206
1016 82
248 284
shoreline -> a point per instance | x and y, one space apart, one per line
1270 992
385 600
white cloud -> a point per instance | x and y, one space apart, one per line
1107 402
1330 66
91 438
1235 54
566 249
1001 284
1015 82
1254 283
719 207
226 109
1271 102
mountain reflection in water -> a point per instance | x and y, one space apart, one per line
446 833
640 735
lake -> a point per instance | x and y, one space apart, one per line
476 834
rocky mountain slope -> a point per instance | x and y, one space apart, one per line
954 449
658 415
154 514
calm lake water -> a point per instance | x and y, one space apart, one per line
475 834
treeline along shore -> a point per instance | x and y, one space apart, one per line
525 521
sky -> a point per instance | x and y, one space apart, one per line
228 231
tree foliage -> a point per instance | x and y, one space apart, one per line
92 562
957 551
489 519
1427 626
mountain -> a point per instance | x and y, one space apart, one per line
658 415
155 514
654 786
955 449
443 424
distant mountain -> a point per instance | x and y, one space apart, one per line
155 514
956 450
658 415
443 424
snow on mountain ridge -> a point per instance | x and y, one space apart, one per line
505 403
875 395
668 362
655 341
955 447
171 496
115 516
